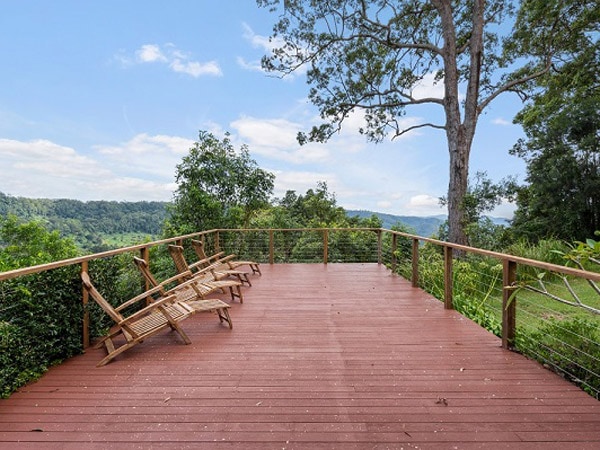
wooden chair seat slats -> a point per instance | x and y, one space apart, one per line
160 314
232 263
204 276
190 293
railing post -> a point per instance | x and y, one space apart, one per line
325 245
509 303
379 247
145 255
415 263
271 247
394 248
448 284
85 338
217 242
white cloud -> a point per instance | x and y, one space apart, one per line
501 121
195 68
424 205
384 204
44 169
253 66
301 181
261 42
276 139
150 53
148 155
177 60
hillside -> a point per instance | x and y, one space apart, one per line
422 226
94 226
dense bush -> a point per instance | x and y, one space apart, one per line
570 347
40 324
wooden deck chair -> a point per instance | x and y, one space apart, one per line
159 315
219 266
190 292
203 275
219 258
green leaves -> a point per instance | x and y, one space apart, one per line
218 187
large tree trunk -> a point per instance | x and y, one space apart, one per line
458 147
460 133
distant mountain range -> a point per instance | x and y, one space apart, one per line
422 226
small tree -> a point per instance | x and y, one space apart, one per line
217 187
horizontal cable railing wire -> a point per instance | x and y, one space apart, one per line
564 337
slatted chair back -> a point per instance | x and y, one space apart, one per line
192 292
176 252
205 275
162 313
198 247
142 266
228 261
100 300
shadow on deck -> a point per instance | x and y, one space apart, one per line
333 356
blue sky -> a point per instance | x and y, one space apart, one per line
101 100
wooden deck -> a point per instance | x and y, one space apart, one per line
343 356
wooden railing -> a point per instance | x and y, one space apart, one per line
509 263
509 275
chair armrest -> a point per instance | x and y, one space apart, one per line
142 296
187 274
149 308
215 256
200 263
224 259
184 285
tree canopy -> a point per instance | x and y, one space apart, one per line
218 187
562 198
562 145
373 56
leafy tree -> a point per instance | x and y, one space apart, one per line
317 208
373 55
483 196
562 150
29 244
217 187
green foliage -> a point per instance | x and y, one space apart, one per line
547 250
94 226
369 59
217 187
29 244
585 255
570 347
562 126
478 313
40 315
316 209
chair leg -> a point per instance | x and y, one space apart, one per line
175 326
224 316
116 352
237 293
243 278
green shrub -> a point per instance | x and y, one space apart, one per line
570 347
40 317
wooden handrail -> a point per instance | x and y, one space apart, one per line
509 262
504 256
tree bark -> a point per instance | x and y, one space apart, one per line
459 150
460 130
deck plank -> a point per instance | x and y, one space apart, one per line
321 356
